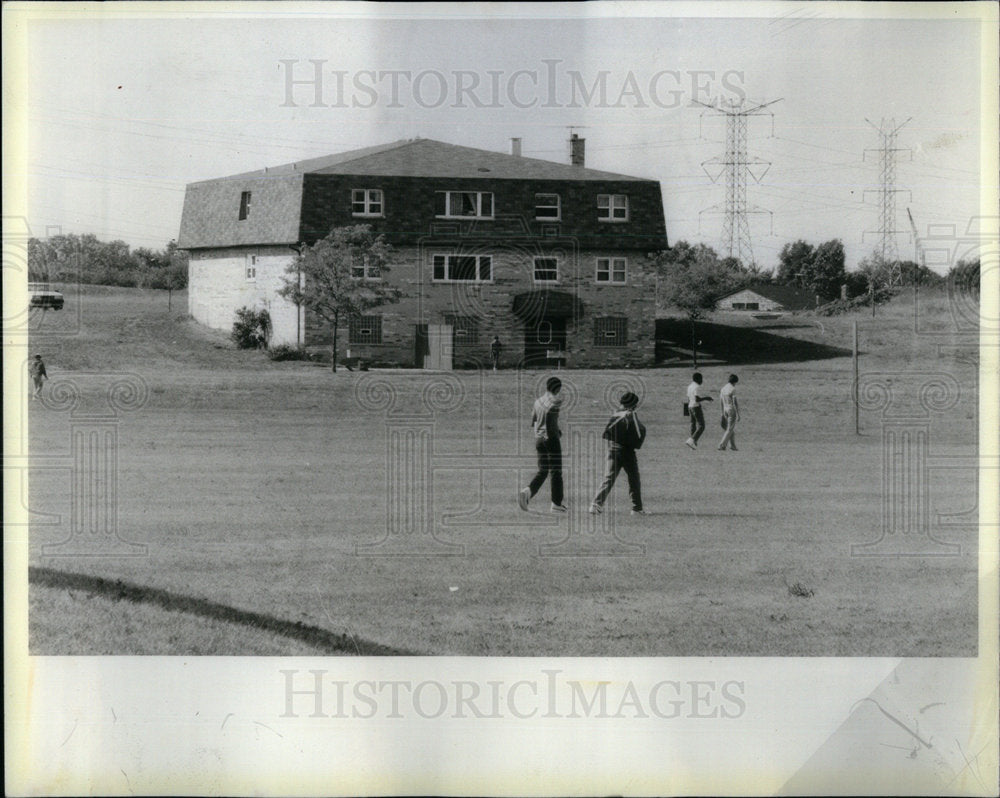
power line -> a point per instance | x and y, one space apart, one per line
737 165
888 130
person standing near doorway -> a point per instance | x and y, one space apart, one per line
495 349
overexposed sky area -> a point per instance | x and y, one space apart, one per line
124 109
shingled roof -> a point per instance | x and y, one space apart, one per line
300 201
430 158
788 296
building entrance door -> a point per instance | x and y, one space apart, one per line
545 342
439 347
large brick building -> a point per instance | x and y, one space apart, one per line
552 258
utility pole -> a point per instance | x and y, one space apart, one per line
919 257
737 165
888 130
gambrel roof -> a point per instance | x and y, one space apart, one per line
300 202
430 158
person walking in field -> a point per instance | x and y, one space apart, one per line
545 426
624 434
730 413
495 349
36 369
694 401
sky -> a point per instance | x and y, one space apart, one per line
124 105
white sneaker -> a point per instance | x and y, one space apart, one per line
522 498
690 443
595 509
638 512
558 508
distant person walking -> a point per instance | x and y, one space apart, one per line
624 434
694 401
36 369
545 425
495 349
730 413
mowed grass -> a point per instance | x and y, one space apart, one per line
253 483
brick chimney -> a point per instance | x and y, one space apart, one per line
576 149
515 147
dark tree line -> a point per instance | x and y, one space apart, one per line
73 258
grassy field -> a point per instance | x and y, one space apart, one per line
253 483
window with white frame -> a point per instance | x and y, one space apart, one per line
547 207
251 268
365 330
366 202
611 331
463 204
546 270
612 207
463 268
244 205
361 266
612 270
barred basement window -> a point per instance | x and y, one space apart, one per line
610 331
244 205
611 270
365 330
465 329
546 270
366 202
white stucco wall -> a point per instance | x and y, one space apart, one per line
218 286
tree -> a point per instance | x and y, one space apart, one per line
826 273
795 263
964 276
692 278
341 276
878 274
167 268
819 269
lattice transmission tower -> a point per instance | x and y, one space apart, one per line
737 165
886 247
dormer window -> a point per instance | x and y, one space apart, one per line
366 202
547 207
463 204
612 207
244 205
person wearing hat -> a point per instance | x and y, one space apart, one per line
624 434
36 368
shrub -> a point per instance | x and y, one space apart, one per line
252 328
288 352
